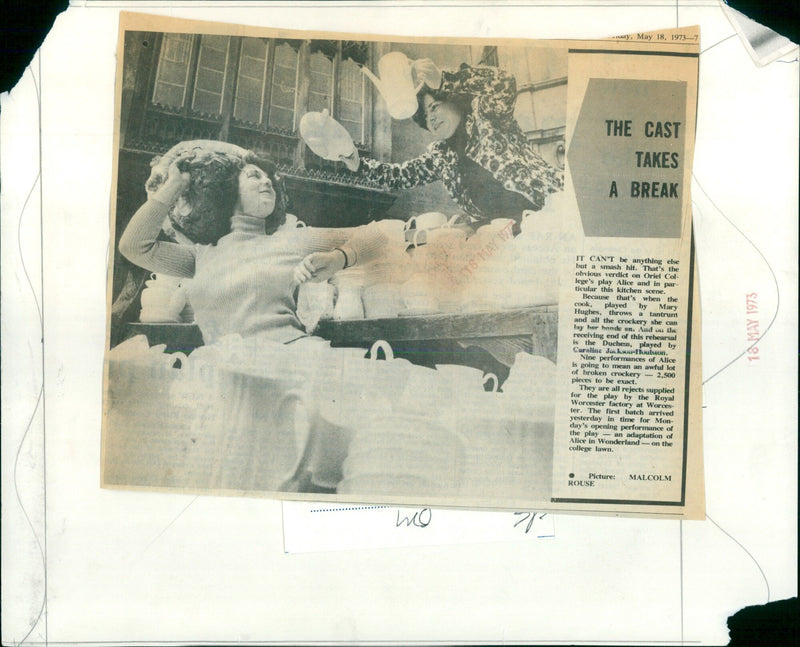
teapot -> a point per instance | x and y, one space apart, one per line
395 84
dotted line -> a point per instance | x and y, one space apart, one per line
368 507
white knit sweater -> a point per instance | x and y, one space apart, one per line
245 283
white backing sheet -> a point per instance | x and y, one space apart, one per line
85 565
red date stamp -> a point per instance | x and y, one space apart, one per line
753 327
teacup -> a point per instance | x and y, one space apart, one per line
393 228
355 389
429 220
465 379
532 377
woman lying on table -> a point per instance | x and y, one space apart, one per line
244 261
480 154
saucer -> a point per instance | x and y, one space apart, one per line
325 136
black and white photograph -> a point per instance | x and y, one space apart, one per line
334 267
402 271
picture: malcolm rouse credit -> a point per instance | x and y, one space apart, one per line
625 332
655 130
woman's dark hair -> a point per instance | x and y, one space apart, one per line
462 101
278 215
204 214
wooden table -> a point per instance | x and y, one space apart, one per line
184 337
537 324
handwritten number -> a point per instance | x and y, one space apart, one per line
530 517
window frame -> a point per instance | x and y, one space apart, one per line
229 94
268 57
226 71
187 75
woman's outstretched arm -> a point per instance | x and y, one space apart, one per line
328 250
404 175
139 242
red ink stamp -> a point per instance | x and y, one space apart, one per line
753 327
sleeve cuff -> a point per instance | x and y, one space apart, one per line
352 257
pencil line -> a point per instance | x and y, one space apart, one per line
388 643
170 524
19 247
25 514
283 526
703 51
681 560
39 402
749 554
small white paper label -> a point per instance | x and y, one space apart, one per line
309 527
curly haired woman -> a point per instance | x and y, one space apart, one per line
244 261
480 154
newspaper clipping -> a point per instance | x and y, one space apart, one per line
404 271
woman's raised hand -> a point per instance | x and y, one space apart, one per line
157 176
319 266
177 180
427 72
200 148
177 170
352 160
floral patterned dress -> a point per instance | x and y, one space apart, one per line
494 141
